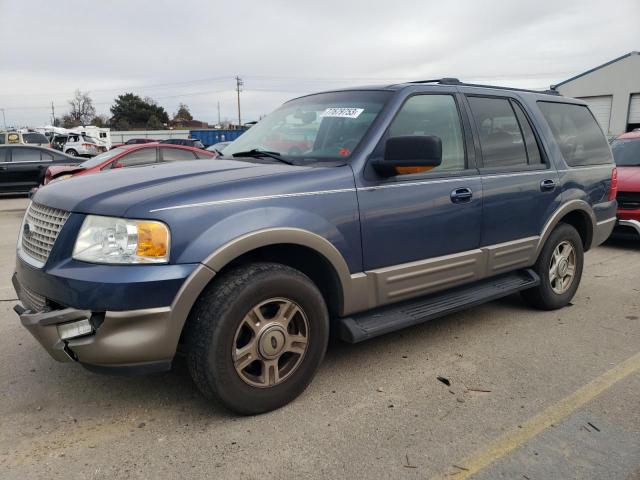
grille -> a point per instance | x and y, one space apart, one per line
31 300
41 228
628 200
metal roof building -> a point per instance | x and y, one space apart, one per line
612 91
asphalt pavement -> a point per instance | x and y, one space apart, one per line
530 395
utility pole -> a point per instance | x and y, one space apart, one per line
4 120
218 113
239 84
53 114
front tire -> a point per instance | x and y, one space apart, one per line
257 336
559 267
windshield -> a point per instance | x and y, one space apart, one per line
98 159
322 126
626 152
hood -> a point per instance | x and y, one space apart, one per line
628 179
116 191
61 169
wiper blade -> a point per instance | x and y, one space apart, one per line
262 153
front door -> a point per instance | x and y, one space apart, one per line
421 230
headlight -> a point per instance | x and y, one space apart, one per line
120 240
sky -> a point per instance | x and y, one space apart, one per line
190 51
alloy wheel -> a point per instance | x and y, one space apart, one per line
270 342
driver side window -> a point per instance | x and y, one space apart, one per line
435 115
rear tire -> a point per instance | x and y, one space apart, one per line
72 152
256 337
559 267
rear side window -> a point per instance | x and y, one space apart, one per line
3 155
500 136
577 133
176 154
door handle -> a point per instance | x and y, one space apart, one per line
547 185
461 195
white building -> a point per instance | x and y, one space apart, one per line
612 91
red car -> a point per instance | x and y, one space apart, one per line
127 156
626 151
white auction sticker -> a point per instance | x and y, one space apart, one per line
342 112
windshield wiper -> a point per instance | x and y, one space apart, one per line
262 153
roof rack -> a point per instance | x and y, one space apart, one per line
455 81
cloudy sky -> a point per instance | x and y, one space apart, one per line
190 50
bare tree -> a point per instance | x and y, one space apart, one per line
82 110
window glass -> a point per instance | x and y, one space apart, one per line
500 138
34 138
2 138
3 155
46 156
577 133
176 154
435 115
316 127
626 152
73 138
144 156
25 155
533 150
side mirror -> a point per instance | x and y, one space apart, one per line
410 154
117 165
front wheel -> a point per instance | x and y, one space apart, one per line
560 269
257 336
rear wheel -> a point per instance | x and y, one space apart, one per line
72 152
257 336
560 269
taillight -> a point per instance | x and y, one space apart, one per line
613 189
87 145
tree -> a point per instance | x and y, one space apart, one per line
183 114
82 109
137 112
69 122
153 123
100 121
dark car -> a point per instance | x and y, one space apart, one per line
22 167
187 142
135 141
125 157
412 201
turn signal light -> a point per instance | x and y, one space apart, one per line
153 239
613 189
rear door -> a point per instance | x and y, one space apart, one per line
520 187
25 168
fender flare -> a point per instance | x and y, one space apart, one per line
571 206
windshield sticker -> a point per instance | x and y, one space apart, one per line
342 112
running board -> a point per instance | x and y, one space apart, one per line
364 326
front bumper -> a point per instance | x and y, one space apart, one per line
122 341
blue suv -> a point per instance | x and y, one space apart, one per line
354 212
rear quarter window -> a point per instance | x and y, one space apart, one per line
577 133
